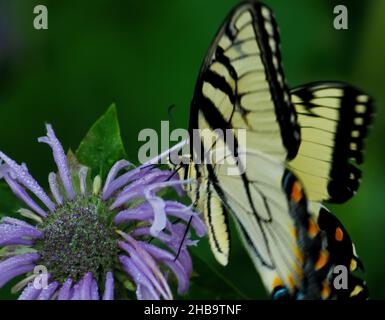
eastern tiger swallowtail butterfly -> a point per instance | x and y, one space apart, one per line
299 147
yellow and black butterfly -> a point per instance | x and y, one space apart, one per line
299 146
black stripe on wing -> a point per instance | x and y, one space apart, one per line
309 238
210 221
267 39
355 114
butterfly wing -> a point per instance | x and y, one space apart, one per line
334 120
269 207
340 252
241 84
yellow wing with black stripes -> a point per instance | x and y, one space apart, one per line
334 119
241 86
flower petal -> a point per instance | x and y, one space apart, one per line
139 278
181 270
151 272
19 260
181 274
143 293
183 212
48 292
119 165
54 186
160 217
85 288
126 178
109 287
139 186
15 234
23 176
65 290
17 222
12 273
94 290
60 159
20 192
30 293
83 171
76 291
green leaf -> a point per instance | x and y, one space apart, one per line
209 283
102 146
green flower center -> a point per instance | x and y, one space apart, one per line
79 238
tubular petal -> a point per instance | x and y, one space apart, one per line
119 165
138 277
85 288
29 293
28 181
20 192
83 171
109 287
19 260
12 273
47 293
53 185
60 159
65 290
146 270
94 290
16 234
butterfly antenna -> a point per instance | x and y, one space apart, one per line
174 173
184 237
174 222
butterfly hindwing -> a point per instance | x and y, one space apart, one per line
341 253
269 207
206 201
334 120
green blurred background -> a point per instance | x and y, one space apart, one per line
145 56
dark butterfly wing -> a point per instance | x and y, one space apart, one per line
341 253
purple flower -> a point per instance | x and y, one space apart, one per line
92 241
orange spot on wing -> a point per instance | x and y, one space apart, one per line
290 279
296 192
298 271
339 235
277 282
322 259
313 228
325 293
294 232
298 254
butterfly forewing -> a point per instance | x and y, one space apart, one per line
242 86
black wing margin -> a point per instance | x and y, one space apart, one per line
334 118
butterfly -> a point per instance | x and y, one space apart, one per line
288 151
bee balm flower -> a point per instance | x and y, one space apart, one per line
94 239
